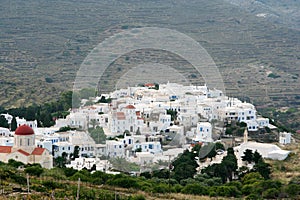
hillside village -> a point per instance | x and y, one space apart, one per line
148 125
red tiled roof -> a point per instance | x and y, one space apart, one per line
138 113
130 107
38 151
121 116
5 149
23 152
149 85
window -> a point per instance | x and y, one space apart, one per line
20 142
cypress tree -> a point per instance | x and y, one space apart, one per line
14 124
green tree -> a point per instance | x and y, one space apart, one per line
98 135
219 145
251 178
3 122
256 157
292 190
35 170
195 188
14 124
263 168
94 123
76 152
248 156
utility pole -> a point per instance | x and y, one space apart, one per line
78 189
27 184
2 190
169 166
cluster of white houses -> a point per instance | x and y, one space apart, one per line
144 116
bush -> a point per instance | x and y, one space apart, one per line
137 197
80 175
252 178
195 188
14 163
55 173
271 193
252 197
178 188
52 184
18 179
34 170
161 188
228 191
38 188
292 190
125 182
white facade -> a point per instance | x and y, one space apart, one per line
125 118
203 132
6 141
115 149
22 121
62 147
284 138
151 147
4 132
88 163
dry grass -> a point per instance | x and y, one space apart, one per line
289 168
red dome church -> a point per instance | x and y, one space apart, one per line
24 149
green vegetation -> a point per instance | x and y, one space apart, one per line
236 129
97 134
173 114
273 75
215 181
3 122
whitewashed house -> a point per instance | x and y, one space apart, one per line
284 138
151 147
4 132
203 132
115 149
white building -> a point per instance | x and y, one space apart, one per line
151 147
284 138
4 132
270 151
115 149
124 119
203 132
24 149
89 163
22 121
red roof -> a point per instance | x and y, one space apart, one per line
138 113
150 85
5 149
24 130
38 151
121 116
23 152
130 107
